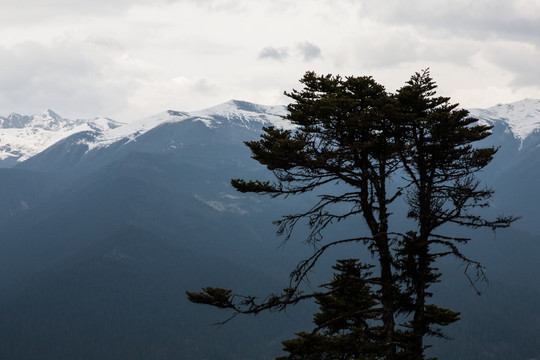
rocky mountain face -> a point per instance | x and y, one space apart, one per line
105 225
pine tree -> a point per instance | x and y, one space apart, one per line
345 322
439 162
351 131
345 135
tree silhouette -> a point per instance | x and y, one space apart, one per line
351 131
344 324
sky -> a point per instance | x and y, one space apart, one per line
129 59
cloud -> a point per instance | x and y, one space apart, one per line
125 57
200 85
219 5
72 79
306 50
309 51
524 67
50 10
273 53
478 19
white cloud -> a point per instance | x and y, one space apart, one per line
69 78
51 10
131 58
520 59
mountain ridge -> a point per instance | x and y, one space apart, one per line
24 136
521 117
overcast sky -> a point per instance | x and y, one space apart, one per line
128 59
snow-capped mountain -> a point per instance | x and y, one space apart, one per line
243 114
23 136
232 113
521 118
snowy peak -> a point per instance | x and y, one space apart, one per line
49 120
232 113
23 136
521 117
51 115
101 124
130 131
235 107
14 121
244 114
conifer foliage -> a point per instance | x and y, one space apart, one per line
343 329
353 132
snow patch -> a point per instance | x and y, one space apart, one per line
222 206
242 113
522 117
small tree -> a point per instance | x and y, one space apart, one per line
345 321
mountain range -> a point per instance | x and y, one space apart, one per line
24 136
106 224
